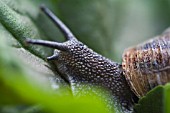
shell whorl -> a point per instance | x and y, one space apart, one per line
148 65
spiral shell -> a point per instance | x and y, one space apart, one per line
148 65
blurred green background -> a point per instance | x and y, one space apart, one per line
106 26
110 26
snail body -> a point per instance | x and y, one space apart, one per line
78 64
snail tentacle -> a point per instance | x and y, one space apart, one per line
55 45
63 28
53 57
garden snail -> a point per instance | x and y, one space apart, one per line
143 67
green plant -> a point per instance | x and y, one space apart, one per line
24 78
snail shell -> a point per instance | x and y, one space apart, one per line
148 65
145 66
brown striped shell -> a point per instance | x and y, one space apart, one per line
148 65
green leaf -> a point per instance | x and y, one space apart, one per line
167 98
20 85
18 25
156 101
153 102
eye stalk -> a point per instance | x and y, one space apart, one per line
55 45
63 28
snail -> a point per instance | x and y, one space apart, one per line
143 67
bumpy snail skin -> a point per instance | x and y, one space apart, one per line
84 66
80 65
